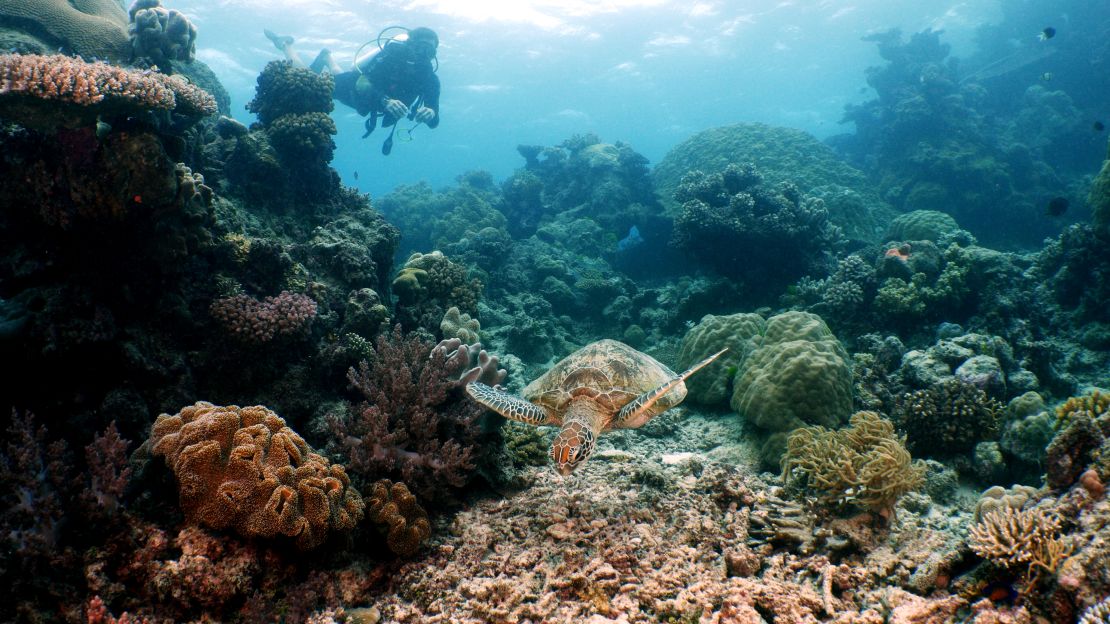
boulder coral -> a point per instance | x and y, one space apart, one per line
741 333
244 469
919 225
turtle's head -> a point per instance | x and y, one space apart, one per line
572 447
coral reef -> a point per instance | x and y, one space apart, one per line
243 468
739 225
947 418
864 464
429 285
916 225
739 333
780 155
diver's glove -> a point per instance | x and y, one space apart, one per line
424 115
395 108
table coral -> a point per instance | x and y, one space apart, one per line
243 468
50 91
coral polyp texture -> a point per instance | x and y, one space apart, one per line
405 523
252 320
31 86
244 469
865 464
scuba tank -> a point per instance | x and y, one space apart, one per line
369 52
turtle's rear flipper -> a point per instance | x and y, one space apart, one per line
636 413
509 406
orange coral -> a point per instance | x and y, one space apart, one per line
405 521
243 468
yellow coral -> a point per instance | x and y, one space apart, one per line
243 468
1020 537
864 464
1094 404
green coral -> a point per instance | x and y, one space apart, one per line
1099 197
781 155
303 139
865 464
921 225
284 89
739 333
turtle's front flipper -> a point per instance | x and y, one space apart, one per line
509 406
636 413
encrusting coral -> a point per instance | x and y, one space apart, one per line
243 468
865 464
404 521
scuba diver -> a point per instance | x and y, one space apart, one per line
397 81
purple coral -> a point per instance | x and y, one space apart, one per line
414 425
259 321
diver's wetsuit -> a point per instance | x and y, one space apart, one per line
396 73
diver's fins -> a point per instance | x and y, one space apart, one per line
280 41
387 147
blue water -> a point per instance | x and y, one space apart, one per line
646 72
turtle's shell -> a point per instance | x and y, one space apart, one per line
610 372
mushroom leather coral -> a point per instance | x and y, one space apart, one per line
403 519
243 468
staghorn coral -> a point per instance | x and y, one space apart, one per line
252 320
243 468
1015 538
403 520
414 425
864 464
46 92
948 418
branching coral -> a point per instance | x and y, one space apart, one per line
403 520
1013 538
243 468
947 418
864 464
414 425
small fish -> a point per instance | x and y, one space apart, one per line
1046 76
1098 126
1046 34
102 128
356 175
1057 206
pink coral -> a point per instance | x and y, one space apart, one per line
259 321
62 79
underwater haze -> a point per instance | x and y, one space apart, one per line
647 72
713 312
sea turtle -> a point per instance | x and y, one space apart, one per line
603 386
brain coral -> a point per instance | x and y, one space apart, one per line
87 27
781 155
243 468
741 333
799 375
921 225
